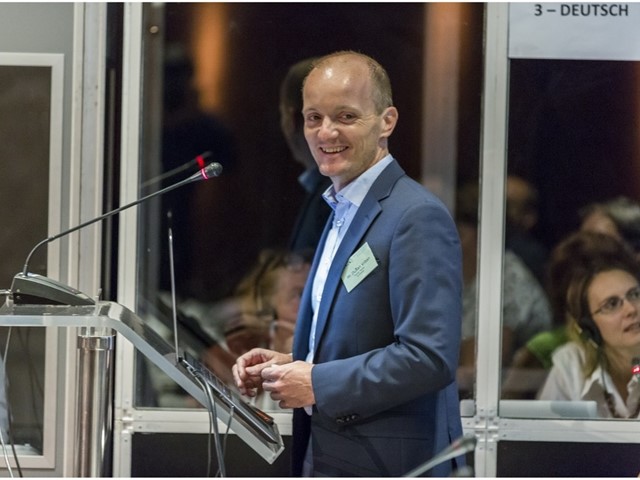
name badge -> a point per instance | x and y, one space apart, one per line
361 264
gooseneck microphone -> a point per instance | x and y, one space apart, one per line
198 160
458 447
38 289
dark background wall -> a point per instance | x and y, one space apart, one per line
253 205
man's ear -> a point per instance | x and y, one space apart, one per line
389 119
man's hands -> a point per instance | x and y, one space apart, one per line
288 382
248 368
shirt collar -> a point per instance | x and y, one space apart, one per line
355 191
593 382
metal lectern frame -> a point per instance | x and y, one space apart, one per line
98 324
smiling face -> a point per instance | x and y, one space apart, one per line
345 132
620 329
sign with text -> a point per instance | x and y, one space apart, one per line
575 31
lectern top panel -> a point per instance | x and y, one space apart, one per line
110 315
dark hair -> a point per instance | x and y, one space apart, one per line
291 86
624 213
573 265
577 255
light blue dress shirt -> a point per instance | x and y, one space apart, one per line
345 204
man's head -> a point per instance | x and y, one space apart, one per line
348 115
291 122
522 203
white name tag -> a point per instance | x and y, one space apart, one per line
361 264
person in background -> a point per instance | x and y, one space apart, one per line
602 309
264 309
532 362
521 219
525 307
619 217
273 290
314 212
372 375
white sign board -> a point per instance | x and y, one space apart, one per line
575 31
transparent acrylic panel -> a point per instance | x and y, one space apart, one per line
212 82
573 142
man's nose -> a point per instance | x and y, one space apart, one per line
327 129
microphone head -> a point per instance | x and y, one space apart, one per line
214 169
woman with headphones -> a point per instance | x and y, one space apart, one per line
602 361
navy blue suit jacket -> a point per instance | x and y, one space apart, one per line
386 353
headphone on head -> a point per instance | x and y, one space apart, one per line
589 331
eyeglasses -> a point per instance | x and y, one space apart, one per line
614 304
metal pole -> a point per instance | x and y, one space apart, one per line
95 399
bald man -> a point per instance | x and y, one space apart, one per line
372 372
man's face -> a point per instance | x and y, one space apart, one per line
345 134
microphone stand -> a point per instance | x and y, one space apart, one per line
23 279
464 444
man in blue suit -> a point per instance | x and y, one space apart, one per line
372 373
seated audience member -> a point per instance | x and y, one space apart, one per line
619 217
525 308
521 217
273 290
266 308
602 308
532 361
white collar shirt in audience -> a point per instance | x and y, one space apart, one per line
567 382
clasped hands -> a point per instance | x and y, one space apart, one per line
287 382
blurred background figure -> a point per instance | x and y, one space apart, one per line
572 256
314 212
273 290
602 307
264 309
525 308
619 217
521 219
